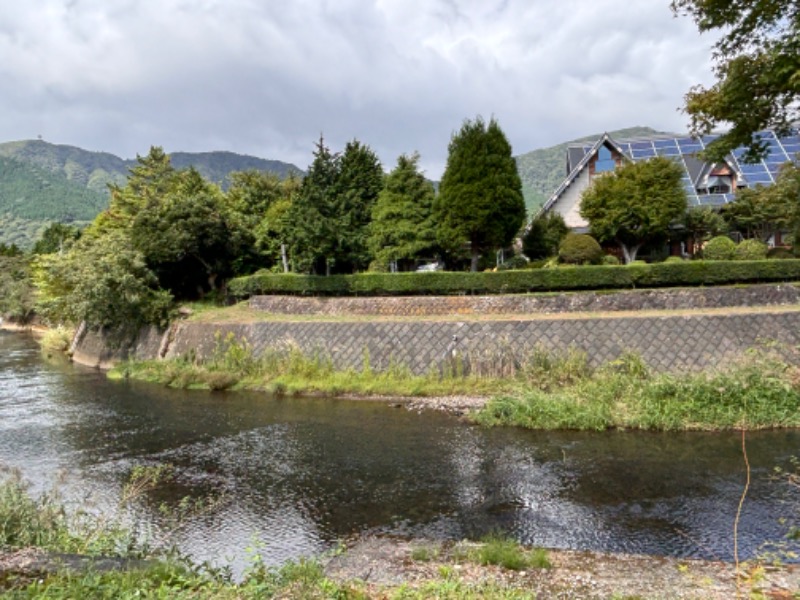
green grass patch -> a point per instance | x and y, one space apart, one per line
760 391
504 552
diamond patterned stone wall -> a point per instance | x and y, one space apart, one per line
665 343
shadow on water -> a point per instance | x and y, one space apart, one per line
302 473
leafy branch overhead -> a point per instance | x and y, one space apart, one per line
757 70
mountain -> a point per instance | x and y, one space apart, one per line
543 170
42 182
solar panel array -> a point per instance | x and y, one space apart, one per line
764 172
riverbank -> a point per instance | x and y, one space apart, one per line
760 390
387 568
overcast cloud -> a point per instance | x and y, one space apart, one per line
266 77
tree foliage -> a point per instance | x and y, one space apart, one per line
58 237
480 196
544 236
329 219
16 288
103 283
635 203
402 227
701 223
757 70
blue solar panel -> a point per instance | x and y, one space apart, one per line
644 153
664 143
757 178
668 152
753 168
641 145
712 199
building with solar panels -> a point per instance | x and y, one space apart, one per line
706 183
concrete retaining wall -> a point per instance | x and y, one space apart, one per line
664 341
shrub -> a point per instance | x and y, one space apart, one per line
579 249
544 236
673 259
610 259
672 274
515 262
719 248
751 250
780 252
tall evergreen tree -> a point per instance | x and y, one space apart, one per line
311 229
402 226
329 219
480 197
359 181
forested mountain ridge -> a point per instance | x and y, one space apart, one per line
42 182
543 170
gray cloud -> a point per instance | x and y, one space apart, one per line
267 77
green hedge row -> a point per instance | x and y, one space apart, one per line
672 274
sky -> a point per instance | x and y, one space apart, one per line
269 77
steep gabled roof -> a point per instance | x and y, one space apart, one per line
605 140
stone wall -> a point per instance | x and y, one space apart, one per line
522 323
519 304
664 342
102 349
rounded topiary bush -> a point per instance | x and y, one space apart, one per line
610 259
751 250
579 249
719 248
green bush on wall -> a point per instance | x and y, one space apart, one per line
666 274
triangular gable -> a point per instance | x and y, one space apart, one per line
606 140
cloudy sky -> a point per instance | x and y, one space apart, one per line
267 77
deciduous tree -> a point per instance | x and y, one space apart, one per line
757 70
635 203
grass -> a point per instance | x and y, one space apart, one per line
504 552
759 391
56 340
543 391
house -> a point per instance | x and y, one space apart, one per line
706 183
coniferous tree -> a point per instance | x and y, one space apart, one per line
358 183
402 226
480 197
311 229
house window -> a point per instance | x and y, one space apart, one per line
605 162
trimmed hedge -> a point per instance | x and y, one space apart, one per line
671 274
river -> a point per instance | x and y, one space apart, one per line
300 474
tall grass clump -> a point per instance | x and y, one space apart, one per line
502 551
759 391
56 340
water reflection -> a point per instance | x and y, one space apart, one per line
303 473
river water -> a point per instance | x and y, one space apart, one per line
300 474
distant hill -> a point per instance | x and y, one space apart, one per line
42 182
542 171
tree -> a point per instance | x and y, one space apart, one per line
480 196
103 282
358 183
635 203
311 226
329 219
757 70
58 237
544 236
402 227
759 212
188 236
701 224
